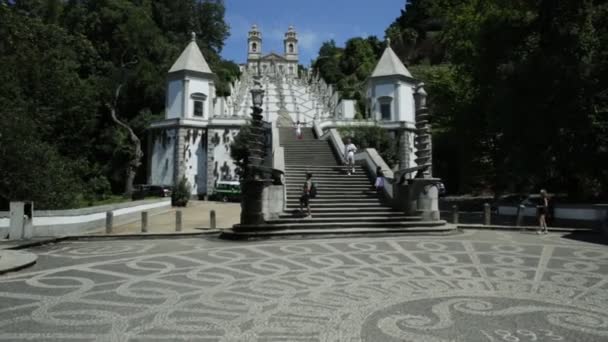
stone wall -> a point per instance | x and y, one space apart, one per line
87 220
220 165
162 156
193 156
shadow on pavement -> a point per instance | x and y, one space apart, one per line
590 237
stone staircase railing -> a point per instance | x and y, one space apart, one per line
417 196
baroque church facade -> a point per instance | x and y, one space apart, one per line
272 63
193 140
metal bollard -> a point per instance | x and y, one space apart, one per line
455 214
486 214
520 215
212 223
144 221
178 221
109 222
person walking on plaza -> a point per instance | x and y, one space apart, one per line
308 192
543 211
349 153
299 130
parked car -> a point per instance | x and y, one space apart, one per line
227 191
142 191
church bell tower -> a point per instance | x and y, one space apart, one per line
254 43
291 45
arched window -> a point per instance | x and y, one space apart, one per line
254 47
385 103
290 47
198 110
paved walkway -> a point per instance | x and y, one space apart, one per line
475 286
194 218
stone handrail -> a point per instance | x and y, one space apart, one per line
336 141
316 126
371 160
278 154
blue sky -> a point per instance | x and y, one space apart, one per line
314 20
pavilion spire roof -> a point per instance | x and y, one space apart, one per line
390 65
191 59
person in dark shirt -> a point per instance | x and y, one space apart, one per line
306 194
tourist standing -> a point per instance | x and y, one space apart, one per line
307 194
349 153
543 211
299 130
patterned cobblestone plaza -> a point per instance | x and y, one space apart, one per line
471 286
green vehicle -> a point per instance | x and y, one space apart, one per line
227 191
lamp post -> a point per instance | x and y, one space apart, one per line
257 131
253 185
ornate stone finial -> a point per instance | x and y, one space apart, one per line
193 36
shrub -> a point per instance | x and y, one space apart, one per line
239 150
181 193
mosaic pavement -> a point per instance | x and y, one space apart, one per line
475 286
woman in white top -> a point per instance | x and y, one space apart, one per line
349 153
298 130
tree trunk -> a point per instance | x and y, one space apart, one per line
135 162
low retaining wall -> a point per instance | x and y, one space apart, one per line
81 221
589 215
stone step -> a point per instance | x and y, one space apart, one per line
305 167
312 159
337 206
247 232
346 210
355 214
345 220
329 181
320 170
326 177
295 195
335 187
309 223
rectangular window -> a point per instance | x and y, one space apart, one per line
385 110
198 108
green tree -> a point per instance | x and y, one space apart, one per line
239 150
373 137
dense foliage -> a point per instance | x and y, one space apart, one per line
372 137
518 90
60 64
239 150
348 68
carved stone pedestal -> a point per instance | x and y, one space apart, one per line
423 198
251 203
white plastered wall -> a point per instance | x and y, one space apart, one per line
406 108
197 85
222 166
174 99
162 160
382 89
195 160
